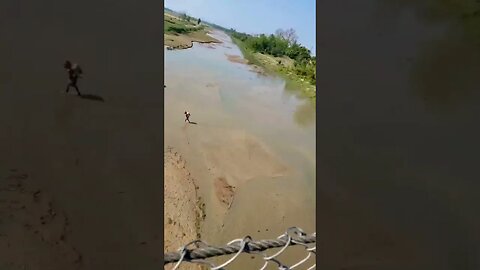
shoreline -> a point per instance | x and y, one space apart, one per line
184 47
184 209
181 34
307 90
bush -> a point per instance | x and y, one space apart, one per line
178 29
275 45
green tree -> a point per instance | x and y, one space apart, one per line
282 43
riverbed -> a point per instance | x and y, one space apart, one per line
251 130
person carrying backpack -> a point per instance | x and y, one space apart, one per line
74 72
187 116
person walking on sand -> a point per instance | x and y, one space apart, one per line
187 116
74 72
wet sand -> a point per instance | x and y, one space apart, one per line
181 42
236 59
96 165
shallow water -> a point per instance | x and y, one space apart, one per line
226 98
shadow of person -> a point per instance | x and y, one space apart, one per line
193 123
92 97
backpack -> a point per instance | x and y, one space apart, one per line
77 69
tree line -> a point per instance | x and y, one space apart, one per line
282 43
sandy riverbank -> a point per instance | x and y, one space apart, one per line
180 34
226 160
241 60
183 208
181 42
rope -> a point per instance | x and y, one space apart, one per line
250 246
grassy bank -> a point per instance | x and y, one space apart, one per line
247 54
282 65
181 32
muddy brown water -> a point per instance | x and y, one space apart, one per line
228 100
398 129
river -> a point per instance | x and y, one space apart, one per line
250 128
398 129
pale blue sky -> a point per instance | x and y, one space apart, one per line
255 16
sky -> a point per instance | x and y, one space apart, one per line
255 16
